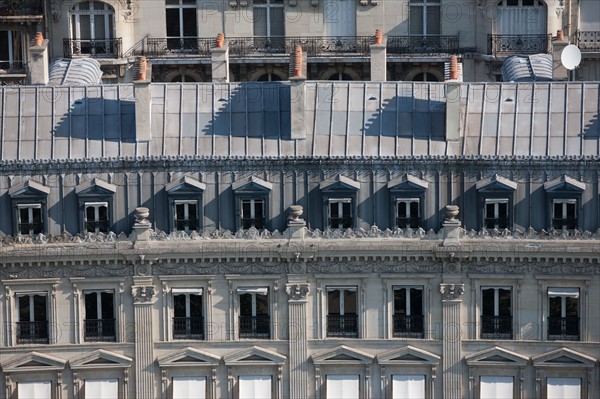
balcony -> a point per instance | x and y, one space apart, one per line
496 327
340 223
563 328
342 326
95 48
257 223
588 41
496 223
13 9
505 45
178 47
408 326
32 332
99 330
256 327
423 45
188 328
412 222
11 67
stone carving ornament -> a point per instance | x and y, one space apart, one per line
452 292
142 294
297 292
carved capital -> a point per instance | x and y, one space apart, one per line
143 294
452 292
297 291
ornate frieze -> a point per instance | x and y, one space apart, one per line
297 291
452 292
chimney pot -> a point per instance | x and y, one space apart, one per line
453 67
143 65
378 36
560 35
220 40
39 38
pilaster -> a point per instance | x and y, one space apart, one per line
144 296
298 354
451 342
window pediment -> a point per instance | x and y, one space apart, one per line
563 357
496 183
254 356
34 362
342 355
407 183
29 188
408 355
101 359
251 185
189 357
565 183
185 185
340 183
95 187
496 356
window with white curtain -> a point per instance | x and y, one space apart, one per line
102 389
255 387
189 387
34 390
342 386
491 387
563 388
408 387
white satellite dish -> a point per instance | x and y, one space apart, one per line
570 57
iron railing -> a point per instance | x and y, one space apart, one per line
412 222
21 7
567 223
422 45
496 327
178 47
342 326
246 46
257 223
11 66
312 45
188 327
340 223
31 228
588 41
99 330
563 328
95 48
100 226
493 223
408 326
519 44
258 327
32 332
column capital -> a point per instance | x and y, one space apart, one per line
452 292
297 292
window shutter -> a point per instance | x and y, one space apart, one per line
564 388
254 387
34 390
189 387
342 387
408 386
102 389
495 387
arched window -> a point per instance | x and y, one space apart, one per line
92 29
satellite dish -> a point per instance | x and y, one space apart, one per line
570 57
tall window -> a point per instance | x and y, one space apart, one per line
254 313
563 388
563 314
96 217
495 387
10 50
496 313
99 322
255 387
182 25
340 213
186 215
92 25
407 213
253 213
34 390
564 214
102 389
408 312
30 219
342 315
269 20
188 322
408 386
32 324
189 387
343 386
496 213
424 18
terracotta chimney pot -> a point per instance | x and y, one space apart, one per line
39 38
142 71
378 36
453 67
220 40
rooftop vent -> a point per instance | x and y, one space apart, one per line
75 72
527 68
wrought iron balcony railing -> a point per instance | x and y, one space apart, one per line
493 223
188 327
95 48
99 330
178 47
342 326
32 332
257 223
496 327
97 226
422 45
412 222
588 41
563 328
312 45
20 8
567 223
408 326
519 44
11 67
257 327
340 223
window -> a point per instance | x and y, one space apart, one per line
563 314
408 386
30 219
102 389
496 313
342 316
564 214
343 386
407 213
340 213
254 313
185 200
495 387
189 387
424 18
496 213
182 25
408 312
99 322
92 27
269 23
186 215
10 50
34 390
188 320
96 217
255 387
32 323
253 213
563 388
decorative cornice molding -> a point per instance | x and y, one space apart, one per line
452 292
297 292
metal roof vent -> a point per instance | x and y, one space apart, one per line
75 72
527 68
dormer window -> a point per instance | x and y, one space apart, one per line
252 202
30 219
340 213
407 198
96 217
496 199
564 202
339 202
496 213
253 214
185 202
95 202
29 203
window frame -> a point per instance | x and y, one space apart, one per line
94 192
564 319
341 303
326 281
183 40
330 217
185 190
496 188
96 205
246 290
564 189
253 218
565 203
14 50
268 5
497 310
187 293
340 188
32 319
99 310
424 5
251 188
418 333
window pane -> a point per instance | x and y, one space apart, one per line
502 209
505 308
173 22
246 206
496 387
570 210
433 20
91 306
255 387
189 387
195 305
558 213
349 302
246 304
402 209
487 305
24 215
108 306
564 388
408 386
334 209
180 211
258 209
192 211
84 27
259 15
99 27
346 209
333 302
400 301
554 307
39 308
414 209
103 213
277 21
189 22
179 306
343 386
262 305
24 310
102 389
572 307
90 214
416 302
34 390
416 20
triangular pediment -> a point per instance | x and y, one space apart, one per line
29 188
565 183
407 183
254 356
189 357
33 362
100 359
342 355
185 185
95 187
408 355
496 183
340 183
251 184
496 356
563 357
